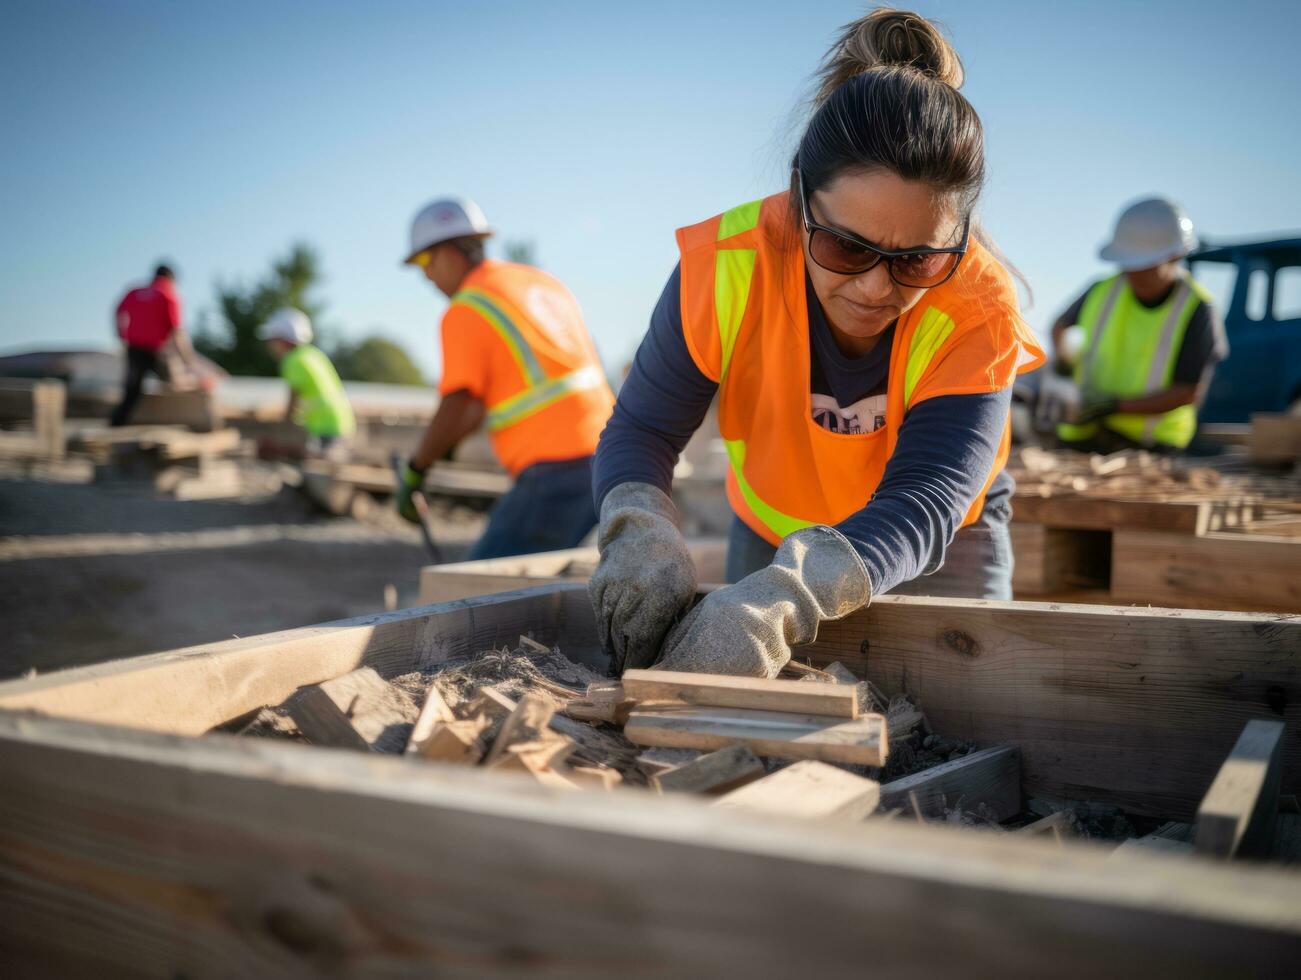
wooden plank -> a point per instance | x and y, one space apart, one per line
808 790
193 690
987 782
49 400
772 733
714 772
1130 706
1240 808
1106 514
434 711
319 862
1216 571
717 690
1274 439
359 710
454 741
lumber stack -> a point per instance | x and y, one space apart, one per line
1136 528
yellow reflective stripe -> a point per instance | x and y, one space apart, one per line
773 519
739 219
532 400
510 334
926 341
733 274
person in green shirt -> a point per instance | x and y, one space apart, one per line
316 398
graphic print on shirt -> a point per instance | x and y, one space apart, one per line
555 314
862 417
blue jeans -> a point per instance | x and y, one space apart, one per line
977 565
549 507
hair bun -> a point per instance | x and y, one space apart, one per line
888 37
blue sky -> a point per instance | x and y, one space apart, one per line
217 134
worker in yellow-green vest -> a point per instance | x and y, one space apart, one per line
1140 346
316 397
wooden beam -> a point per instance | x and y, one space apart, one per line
714 772
1128 706
1069 510
1274 439
320 862
809 790
771 733
1240 808
722 691
192 690
1054 559
359 710
1216 571
986 781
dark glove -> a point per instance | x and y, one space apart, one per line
409 480
1095 410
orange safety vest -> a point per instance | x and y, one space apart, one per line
541 378
745 318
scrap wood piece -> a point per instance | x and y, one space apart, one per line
988 778
455 741
434 711
1238 813
527 722
716 772
1056 825
593 777
662 759
803 672
725 691
807 789
359 710
842 674
1171 838
605 701
536 754
782 734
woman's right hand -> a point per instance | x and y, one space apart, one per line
646 578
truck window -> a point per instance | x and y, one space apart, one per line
1257 294
1219 278
1287 293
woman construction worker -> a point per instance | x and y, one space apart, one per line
517 358
863 345
1141 345
316 397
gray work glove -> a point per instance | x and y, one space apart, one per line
749 628
646 578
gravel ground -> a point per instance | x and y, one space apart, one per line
94 572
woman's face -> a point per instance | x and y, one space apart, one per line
888 211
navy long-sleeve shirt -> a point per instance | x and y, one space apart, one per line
946 446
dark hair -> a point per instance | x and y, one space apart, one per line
471 247
888 100
164 271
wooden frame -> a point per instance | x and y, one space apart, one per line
144 851
461 580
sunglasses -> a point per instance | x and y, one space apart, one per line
422 259
848 255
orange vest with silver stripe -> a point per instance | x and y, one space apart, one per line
745 319
551 399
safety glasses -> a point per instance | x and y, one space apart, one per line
848 255
422 259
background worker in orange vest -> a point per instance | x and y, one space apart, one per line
518 358
862 343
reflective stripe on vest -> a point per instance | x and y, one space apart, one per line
1156 371
1100 325
487 308
530 401
733 275
540 392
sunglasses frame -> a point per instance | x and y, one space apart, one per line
889 255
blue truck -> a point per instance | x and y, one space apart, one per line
1259 285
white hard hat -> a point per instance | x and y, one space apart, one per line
1148 233
452 217
287 324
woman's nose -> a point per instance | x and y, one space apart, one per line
875 287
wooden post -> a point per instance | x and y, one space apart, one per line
1239 810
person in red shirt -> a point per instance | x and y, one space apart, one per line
147 318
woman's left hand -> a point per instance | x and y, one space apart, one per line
749 628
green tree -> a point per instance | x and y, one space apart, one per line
242 310
376 359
